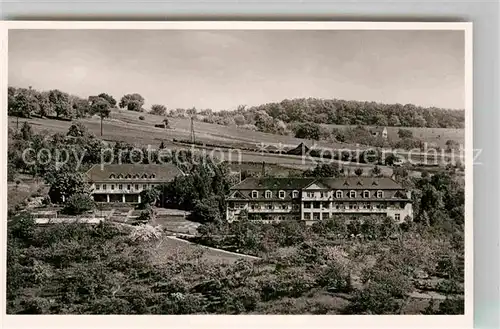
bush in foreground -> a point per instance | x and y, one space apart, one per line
78 204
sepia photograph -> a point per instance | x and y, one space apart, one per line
290 169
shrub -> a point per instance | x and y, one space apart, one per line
334 278
78 204
22 227
141 117
451 306
77 130
405 133
373 299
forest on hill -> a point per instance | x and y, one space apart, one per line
26 102
336 111
308 118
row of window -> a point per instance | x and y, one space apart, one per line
136 176
268 206
352 205
350 194
338 194
317 216
269 194
120 186
319 205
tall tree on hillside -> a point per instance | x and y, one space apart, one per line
100 106
192 111
44 105
109 98
24 103
158 109
133 102
60 103
81 107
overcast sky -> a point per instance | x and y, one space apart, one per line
223 69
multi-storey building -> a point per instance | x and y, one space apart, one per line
125 182
312 199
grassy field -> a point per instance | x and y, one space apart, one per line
126 126
169 246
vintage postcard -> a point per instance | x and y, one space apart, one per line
238 168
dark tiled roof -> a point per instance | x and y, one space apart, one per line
301 149
273 183
160 172
342 183
353 183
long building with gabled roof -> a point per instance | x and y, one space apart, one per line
313 199
125 182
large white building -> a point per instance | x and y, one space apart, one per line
125 182
312 199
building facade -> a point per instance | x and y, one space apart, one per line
311 199
125 182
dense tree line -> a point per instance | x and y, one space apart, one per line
27 103
273 117
344 112
303 118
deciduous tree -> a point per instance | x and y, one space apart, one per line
101 107
158 109
308 131
132 102
108 98
78 203
60 102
